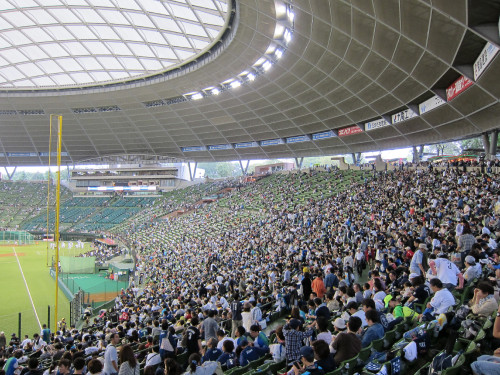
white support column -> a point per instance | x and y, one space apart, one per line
486 144
493 143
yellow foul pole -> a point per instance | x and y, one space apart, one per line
58 206
48 187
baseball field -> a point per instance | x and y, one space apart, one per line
27 287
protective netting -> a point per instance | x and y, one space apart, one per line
20 237
77 264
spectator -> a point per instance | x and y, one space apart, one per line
441 302
128 363
196 368
212 353
111 357
324 359
293 339
347 345
484 303
374 331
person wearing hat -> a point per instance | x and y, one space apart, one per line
473 269
399 311
416 263
306 366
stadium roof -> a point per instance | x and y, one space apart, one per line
213 80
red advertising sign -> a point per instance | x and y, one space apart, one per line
354 129
458 87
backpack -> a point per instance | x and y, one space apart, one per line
440 362
462 312
471 329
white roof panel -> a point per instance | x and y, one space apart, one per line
154 35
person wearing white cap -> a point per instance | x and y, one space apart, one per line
473 269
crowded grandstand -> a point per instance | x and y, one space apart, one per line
324 270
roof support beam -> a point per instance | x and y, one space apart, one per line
244 170
192 173
10 175
298 162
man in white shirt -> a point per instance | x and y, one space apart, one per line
349 261
111 357
447 272
38 343
25 342
352 309
442 299
221 336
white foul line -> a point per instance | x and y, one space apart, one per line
28 289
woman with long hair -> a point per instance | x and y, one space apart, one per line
172 367
128 362
195 366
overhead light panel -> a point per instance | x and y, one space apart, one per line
215 91
235 84
278 53
267 65
197 96
251 76
287 35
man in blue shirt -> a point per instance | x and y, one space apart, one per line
212 353
250 353
329 279
375 330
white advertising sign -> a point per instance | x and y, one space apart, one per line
403 116
371 125
489 51
430 104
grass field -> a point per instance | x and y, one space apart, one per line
32 259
